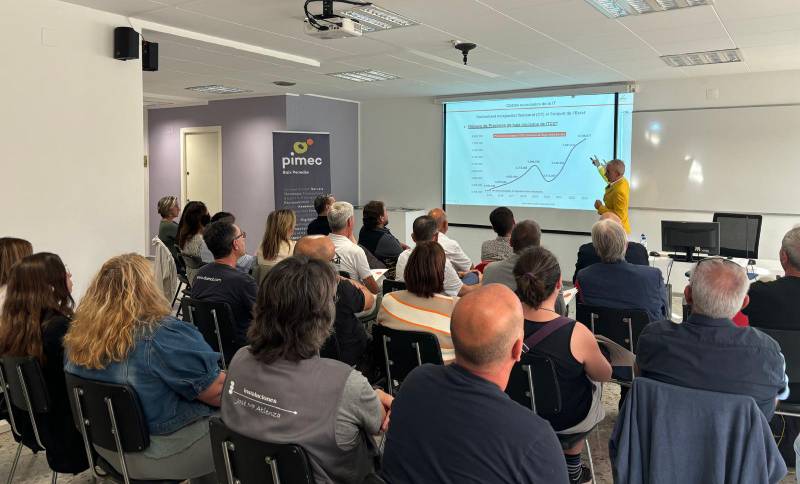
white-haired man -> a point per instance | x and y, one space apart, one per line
350 257
708 351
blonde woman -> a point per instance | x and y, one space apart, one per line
277 243
123 333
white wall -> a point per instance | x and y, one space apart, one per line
401 146
71 134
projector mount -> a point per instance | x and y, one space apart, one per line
327 15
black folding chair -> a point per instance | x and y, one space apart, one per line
108 415
183 279
622 326
789 342
533 383
242 460
25 389
216 324
402 351
392 286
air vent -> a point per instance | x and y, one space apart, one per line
703 58
373 18
217 89
364 76
624 8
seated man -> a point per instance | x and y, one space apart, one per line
350 257
425 229
375 237
635 253
499 248
773 305
246 261
708 351
616 283
455 254
454 423
524 235
220 282
352 297
319 226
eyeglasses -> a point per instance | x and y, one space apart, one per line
243 235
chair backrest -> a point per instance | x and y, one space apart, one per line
215 322
402 351
192 261
242 460
24 388
622 326
533 383
180 265
392 286
789 341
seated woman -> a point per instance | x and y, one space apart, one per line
35 318
123 333
423 305
194 219
277 243
12 250
579 364
280 390
169 209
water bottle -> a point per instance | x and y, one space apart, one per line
643 241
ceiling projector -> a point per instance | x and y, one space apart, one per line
333 28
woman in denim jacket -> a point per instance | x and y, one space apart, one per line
123 333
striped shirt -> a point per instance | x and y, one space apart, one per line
405 311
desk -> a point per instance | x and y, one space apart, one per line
766 269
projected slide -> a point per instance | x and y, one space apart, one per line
528 152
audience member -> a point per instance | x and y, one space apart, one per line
375 237
190 238
223 217
579 364
220 282
323 405
319 226
246 261
616 283
350 257
709 352
38 308
499 248
425 229
277 243
524 235
635 253
773 305
452 249
422 306
12 250
123 333
169 209
454 423
350 340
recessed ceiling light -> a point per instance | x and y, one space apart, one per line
217 89
284 83
369 75
373 18
703 58
623 8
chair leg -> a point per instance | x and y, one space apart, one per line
591 462
55 477
14 464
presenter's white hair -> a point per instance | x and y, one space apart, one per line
718 288
791 246
339 214
610 240
619 164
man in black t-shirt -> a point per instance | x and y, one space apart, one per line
221 282
349 340
320 226
774 305
454 423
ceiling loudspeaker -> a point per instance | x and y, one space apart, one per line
126 43
149 56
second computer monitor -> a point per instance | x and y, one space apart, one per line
690 237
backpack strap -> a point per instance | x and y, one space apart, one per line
548 329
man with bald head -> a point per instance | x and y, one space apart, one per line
452 249
350 339
454 423
617 195
635 253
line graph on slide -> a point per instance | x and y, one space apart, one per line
536 165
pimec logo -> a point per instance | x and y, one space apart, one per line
299 148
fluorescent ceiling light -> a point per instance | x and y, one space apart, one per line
217 89
140 24
369 75
703 58
623 8
373 18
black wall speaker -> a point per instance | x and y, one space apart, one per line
126 43
149 56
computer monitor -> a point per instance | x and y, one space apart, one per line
690 238
739 234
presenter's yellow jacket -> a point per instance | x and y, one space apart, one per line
616 199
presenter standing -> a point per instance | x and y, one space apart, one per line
617 195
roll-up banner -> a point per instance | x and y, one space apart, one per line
302 170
